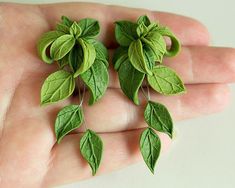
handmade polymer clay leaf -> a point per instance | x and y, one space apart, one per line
144 19
130 80
136 57
64 25
119 56
61 46
90 27
142 29
125 32
175 44
75 58
150 147
91 148
44 42
156 43
89 55
63 62
101 51
96 79
165 81
75 30
68 119
157 116
57 86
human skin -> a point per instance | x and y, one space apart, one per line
29 155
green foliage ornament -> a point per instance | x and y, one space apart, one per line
82 62
138 60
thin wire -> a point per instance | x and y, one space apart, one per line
142 89
148 92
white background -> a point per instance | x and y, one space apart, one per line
203 154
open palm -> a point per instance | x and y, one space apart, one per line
29 155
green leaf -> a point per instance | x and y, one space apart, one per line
62 28
91 147
125 32
75 58
96 78
157 116
118 53
149 57
44 42
136 57
58 86
130 80
144 19
165 81
66 21
63 62
89 55
101 51
142 29
68 119
61 46
90 27
150 147
156 43
75 30
175 43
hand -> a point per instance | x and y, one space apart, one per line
29 155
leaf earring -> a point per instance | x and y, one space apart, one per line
139 60
82 62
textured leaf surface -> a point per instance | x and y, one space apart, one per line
158 117
61 46
57 86
130 80
165 81
89 55
125 32
96 78
150 147
90 27
44 42
68 119
136 57
91 148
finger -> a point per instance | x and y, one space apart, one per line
120 150
189 31
194 63
115 112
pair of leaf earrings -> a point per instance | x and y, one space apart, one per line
83 63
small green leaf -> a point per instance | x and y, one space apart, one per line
90 27
156 43
75 58
144 19
118 53
62 28
96 78
101 51
44 42
63 62
150 147
125 32
175 43
61 46
142 29
130 80
149 57
165 81
158 117
91 147
68 119
58 86
89 55
66 21
136 57
75 30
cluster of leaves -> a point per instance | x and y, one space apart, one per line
79 56
139 57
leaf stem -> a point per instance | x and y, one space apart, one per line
144 93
